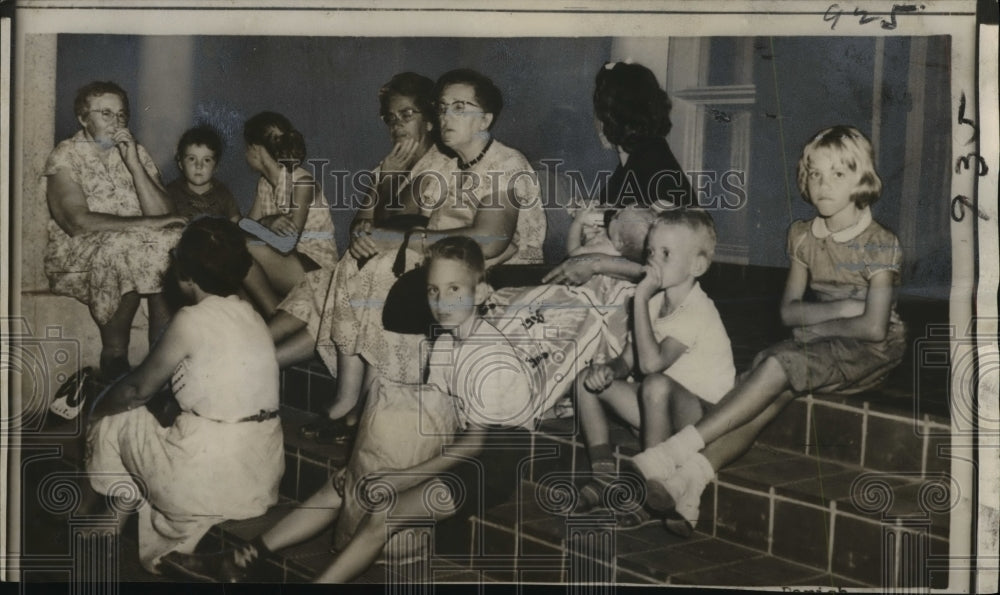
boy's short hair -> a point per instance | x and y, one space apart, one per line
698 221
213 253
855 150
94 89
203 135
460 248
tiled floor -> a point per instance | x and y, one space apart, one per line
803 475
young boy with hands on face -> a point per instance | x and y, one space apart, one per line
678 347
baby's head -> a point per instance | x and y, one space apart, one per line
455 280
851 148
212 253
628 229
198 154
681 243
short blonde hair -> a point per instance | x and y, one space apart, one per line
697 220
855 150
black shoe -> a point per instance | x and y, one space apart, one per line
328 431
218 567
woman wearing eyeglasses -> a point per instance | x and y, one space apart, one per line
112 223
303 320
470 185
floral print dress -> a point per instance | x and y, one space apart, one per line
99 267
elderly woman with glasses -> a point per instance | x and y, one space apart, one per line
471 185
112 223
303 320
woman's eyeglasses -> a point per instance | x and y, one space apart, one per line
458 108
110 115
402 116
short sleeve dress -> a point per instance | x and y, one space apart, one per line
99 267
317 240
447 199
841 265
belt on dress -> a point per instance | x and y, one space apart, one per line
262 415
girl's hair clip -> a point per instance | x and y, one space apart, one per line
611 65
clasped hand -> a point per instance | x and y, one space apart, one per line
598 377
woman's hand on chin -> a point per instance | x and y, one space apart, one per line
125 142
575 270
362 246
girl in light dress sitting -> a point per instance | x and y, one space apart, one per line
844 341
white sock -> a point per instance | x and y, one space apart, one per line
662 460
688 484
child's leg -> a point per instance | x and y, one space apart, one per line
259 289
667 406
372 535
736 443
283 325
308 519
679 497
292 341
620 396
744 402
283 271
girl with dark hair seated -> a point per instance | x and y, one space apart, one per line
290 206
223 456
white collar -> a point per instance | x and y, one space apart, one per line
820 230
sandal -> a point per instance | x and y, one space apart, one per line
678 525
328 431
592 494
658 499
227 566
628 520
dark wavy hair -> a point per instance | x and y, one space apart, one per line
460 248
82 101
279 138
203 135
417 87
488 95
213 253
855 151
630 104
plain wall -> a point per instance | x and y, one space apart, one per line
327 86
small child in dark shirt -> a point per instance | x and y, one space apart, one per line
196 191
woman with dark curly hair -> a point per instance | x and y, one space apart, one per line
632 115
